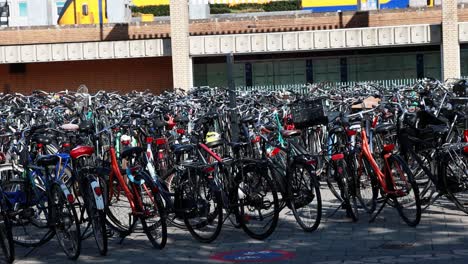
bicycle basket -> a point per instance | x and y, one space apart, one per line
310 113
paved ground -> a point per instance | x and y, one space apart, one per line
441 237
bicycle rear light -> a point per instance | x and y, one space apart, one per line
160 141
351 132
209 169
338 156
98 191
70 198
389 147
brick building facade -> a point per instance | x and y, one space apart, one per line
156 73
123 75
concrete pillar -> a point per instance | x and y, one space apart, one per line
180 45
450 42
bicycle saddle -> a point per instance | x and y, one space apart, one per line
179 148
85 126
131 151
47 160
42 139
215 143
384 128
247 119
439 130
69 127
290 133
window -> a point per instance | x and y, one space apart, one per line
17 68
84 9
23 9
59 5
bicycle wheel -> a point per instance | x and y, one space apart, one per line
258 201
96 216
118 210
153 219
202 205
6 236
425 184
304 197
406 197
65 221
347 186
456 180
367 186
30 228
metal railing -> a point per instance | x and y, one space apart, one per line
302 88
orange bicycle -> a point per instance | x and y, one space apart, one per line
392 177
128 196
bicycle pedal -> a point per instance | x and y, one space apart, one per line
110 232
425 201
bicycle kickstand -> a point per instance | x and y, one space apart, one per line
379 211
123 235
336 210
432 201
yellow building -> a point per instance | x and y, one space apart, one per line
150 2
83 12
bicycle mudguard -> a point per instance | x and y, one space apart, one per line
67 192
97 192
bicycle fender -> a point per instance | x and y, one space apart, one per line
67 193
98 198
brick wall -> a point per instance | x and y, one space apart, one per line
122 75
181 61
450 43
161 29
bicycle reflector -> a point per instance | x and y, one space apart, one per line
338 156
465 150
274 152
256 139
70 198
209 169
389 147
149 140
180 131
160 141
351 132
66 145
98 191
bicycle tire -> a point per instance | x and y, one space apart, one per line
347 185
368 187
457 186
409 205
210 222
97 218
310 192
30 228
65 222
118 211
153 217
254 183
6 236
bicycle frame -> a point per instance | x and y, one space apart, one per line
381 176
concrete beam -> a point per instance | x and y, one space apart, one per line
85 51
371 37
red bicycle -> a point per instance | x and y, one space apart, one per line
392 178
128 196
